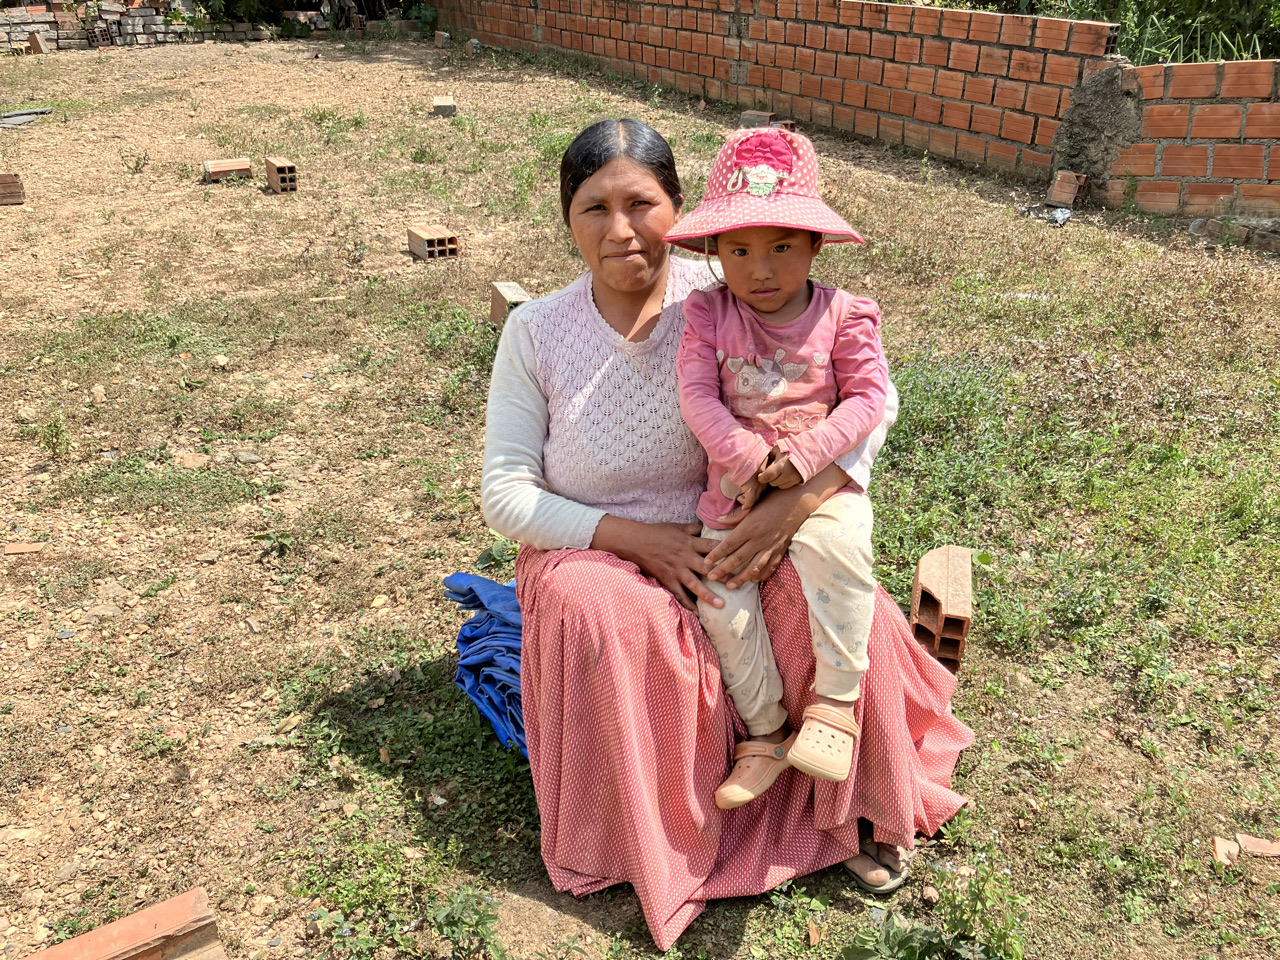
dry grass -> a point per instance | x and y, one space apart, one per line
1096 408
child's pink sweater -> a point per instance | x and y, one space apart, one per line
815 386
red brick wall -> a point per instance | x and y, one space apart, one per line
986 88
1210 140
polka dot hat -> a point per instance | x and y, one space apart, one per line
763 177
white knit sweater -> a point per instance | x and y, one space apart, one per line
582 423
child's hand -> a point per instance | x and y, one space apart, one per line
750 494
778 471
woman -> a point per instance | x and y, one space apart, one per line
589 465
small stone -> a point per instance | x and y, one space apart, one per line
349 809
99 394
27 415
384 755
289 723
380 600
219 362
191 461
99 611
930 895
246 456
66 634
210 557
33 642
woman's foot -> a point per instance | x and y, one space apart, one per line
824 748
879 868
759 762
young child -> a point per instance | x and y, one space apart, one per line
779 377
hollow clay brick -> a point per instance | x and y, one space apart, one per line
1158 196
1208 198
979 89
1218 121
985 120
1066 188
902 103
942 143
1249 79
955 114
907 50
915 135
1010 94
1151 78
1016 31
964 57
1051 34
926 22
1166 121
955 24
898 18
1183 161
866 123
891 131
1090 38
936 52
837 39
183 926
505 296
1046 130
985 27
1238 161
1002 156
432 242
928 109
282 175
870 71
971 148
1193 81
755 118
1138 160
874 15
1064 71
1017 126
942 599
1262 121
1260 198
1043 99
215 170
1026 65
895 76
1035 165
920 79
994 61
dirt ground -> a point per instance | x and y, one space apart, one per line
245 431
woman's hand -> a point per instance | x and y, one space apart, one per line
760 539
671 553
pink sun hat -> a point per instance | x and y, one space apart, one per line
763 177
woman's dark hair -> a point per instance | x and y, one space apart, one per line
608 139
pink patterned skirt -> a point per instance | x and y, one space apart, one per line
630 732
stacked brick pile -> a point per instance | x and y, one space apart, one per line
1208 142
66 26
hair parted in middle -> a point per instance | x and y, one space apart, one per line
609 139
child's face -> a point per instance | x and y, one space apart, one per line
768 268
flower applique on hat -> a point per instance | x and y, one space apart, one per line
762 177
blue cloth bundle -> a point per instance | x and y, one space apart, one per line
489 652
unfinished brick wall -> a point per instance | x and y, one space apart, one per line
1210 140
986 88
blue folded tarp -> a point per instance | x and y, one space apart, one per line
489 652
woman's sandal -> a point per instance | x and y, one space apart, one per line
825 745
883 871
757 764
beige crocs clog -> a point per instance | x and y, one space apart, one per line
757 764
824 748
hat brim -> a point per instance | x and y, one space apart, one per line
742 211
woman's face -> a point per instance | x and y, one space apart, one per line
618 218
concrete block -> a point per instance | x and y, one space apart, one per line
443 40
282 175
942 603
506 296
756 118
11 190
183 927
215 170
432 242
443 106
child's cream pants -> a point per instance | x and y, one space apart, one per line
832 554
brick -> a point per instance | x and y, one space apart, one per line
1237 161
1051 34
895 76
1138 160
964 57
956 114
935 52
1065 188
432 242
1017 126
916 136
1043 100
907 50
942 601
1260 198
920 79
505 296
794 34
282 175
855 94
1248 79
898 18
824 63
949 84
1216 122
985 120
1092 38
832 89
837 39
902 103
215 170
970 148
755 118
874 15
1046 130
815 36
1193 81
1183 161
979 89
183 926
1166 121
942 143
1158 196
1016 31
12 192
994 61
955 24
1208 197
891 131
859 40
842 119
870 71
811 87
878 98
1064 71
1035 165
928 109
443 40
882 45
1010 94
1002 156
850 14
847 68
1026 65
822 114
866 123
1263 121
1151 78
927 21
